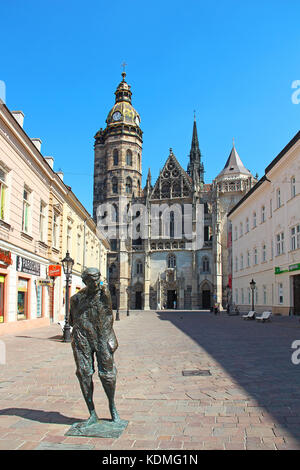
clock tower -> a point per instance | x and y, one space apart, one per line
118 178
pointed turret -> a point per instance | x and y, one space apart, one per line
234 165
195 166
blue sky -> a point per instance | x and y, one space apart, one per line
232 61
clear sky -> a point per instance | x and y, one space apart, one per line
233 61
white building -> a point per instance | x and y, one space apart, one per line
266 237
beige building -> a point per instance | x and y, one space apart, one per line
40 218
266 237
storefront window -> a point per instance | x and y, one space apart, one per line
22 299
39 300
2 280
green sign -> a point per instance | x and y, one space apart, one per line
292 267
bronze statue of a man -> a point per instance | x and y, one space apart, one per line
93 337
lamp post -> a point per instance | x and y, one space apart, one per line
118 301
252 285
67 264
128 300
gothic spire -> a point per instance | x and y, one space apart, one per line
195 165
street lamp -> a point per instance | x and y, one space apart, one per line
118 301
67 264
253 285
128 300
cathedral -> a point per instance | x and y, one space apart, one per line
161 266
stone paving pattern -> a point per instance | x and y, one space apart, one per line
251 400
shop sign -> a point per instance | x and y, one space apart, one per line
5 256
28 266
54 270
44 282
292 267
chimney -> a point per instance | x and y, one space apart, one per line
38 143
19 117
60 174
50 161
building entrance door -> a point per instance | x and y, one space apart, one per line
138 300
206 299
296 285
171 299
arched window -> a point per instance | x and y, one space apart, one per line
171 261
139 267
139 161
116 157
205 264
128 185
114 185
172 224
129 157
293 186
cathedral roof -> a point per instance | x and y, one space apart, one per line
234 166
173 181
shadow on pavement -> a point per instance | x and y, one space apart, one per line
256 355
52 338
39 415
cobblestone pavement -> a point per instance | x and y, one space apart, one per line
251 400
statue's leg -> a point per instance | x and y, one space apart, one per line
84 372
107 374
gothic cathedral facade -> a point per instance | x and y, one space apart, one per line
159 266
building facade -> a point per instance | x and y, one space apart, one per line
162 265
266 238
37 210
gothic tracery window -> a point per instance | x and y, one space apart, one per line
171 261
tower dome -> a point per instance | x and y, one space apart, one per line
123 111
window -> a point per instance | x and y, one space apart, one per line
171 261
295 237
236 264
279 243
255 258
293 186
78 248
272 249
242 261
264 253
248 258
116 157
128 185
278 198
22 308
26 210
254 219
242 296
205 264
247 225
172 224
235 233
139 267
271 207
249 295
280 293
241 229
55 230
42 221
114 185
3 193
39 301
263 214
264 295
129 158
69 238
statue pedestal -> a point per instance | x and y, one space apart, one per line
103 428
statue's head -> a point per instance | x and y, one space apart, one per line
91 277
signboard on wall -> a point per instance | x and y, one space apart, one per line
28 266
54 270
5 256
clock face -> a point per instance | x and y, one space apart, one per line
116 116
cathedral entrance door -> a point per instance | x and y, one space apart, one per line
138 300
206 299
171 299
